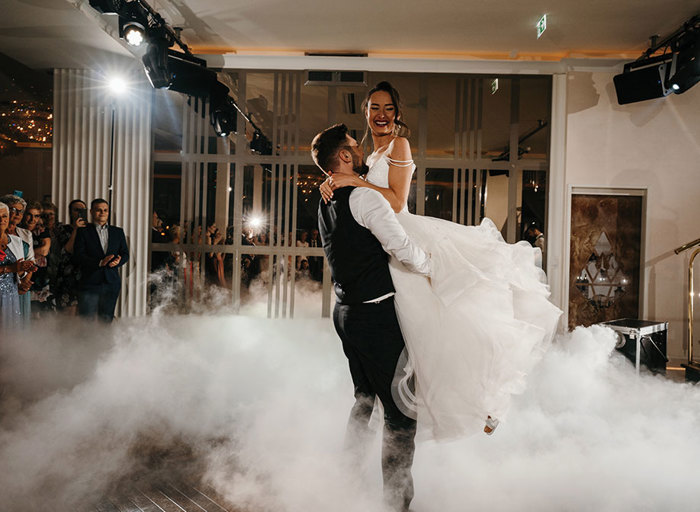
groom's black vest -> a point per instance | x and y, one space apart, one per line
359 265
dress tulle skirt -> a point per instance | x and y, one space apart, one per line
475 329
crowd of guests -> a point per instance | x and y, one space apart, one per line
218 265
48 267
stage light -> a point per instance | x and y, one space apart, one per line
117 85
260 144
687 72
255 222
134 33
189 75
671 65
223 119
223 112
155 62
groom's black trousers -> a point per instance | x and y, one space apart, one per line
372 342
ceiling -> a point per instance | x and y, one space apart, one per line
68 33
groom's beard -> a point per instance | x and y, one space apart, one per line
358 166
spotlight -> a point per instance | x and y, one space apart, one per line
223 112
255 222
117 85
189 75
675 70
260 144
133 32
223 119
155 62
687 68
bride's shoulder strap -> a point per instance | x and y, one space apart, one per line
398 153
399 163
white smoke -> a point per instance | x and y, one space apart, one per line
258 407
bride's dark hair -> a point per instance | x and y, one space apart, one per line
400 128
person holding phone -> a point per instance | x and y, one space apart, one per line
65 285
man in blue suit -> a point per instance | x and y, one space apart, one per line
99 250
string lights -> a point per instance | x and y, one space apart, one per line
25 123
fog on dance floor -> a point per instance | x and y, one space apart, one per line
260 406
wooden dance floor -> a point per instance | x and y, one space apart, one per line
164 498
166 478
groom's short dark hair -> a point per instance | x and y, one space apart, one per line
325 146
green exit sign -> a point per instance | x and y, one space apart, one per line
541 25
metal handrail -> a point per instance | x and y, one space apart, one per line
683 247
691 293
690 305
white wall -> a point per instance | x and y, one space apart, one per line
653 145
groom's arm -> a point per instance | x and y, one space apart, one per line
372 211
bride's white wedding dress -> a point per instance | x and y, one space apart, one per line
476 329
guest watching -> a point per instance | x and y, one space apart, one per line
12 263
534 235
99 251
65 283
40 237
48 215
39 291
17 207
43 278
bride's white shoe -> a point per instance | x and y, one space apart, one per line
490 426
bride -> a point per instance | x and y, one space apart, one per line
474 334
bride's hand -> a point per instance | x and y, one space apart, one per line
338 181
346 180
326 190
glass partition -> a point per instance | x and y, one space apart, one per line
241 211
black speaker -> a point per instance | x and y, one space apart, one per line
639 85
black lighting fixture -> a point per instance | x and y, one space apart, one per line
134 20
655 75
190 75
223 119
223 111
108 6
178 71
133 32
687 72
260 144
155 63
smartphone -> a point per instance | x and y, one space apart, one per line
82 214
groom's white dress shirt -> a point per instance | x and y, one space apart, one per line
372 211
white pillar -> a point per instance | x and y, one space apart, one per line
558 215
83 112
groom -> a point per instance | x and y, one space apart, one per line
358 228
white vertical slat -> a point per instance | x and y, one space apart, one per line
81 149
57 182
